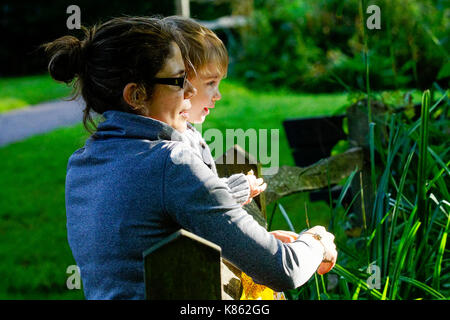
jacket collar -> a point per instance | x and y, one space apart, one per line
119 124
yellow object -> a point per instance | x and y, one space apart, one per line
253 291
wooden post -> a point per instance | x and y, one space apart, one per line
184 266
182 8
237 160
358 136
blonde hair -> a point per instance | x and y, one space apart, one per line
203 45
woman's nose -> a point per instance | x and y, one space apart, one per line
189 90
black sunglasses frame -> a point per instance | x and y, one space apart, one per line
180 82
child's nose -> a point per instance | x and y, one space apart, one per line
189 90
217 96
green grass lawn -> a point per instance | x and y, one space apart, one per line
25 91
34 252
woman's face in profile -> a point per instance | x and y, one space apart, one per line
166 104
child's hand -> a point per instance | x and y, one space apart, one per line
256 185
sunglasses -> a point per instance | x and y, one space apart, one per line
180 82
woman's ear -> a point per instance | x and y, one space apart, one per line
129 95
136 97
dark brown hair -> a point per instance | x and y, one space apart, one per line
111 55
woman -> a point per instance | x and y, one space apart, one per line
136 181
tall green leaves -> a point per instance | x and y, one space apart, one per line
440 255
422 209
362 6
407 234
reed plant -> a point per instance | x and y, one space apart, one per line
406 233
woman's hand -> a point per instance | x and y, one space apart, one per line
257 185
327 240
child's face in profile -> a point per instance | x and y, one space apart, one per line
207 83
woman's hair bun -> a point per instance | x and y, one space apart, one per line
66 59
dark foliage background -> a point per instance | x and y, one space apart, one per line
318 45
26 24
301 45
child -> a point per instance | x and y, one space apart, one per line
209 58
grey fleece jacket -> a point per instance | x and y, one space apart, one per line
135 182
238 184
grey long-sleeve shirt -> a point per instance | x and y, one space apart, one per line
135 182
238 184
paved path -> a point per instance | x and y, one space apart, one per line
20 124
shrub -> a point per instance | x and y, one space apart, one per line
317 45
